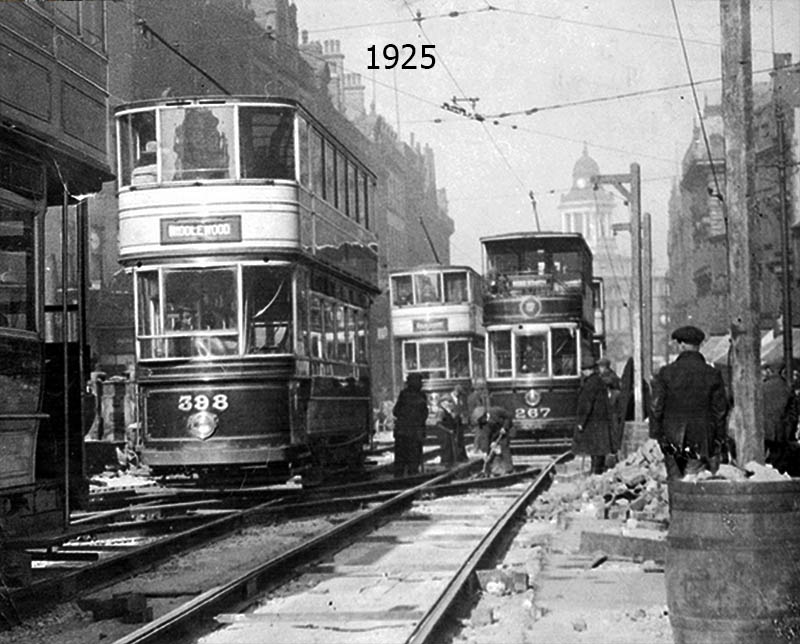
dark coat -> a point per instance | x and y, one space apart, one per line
410 413
689 405
779 410
596 434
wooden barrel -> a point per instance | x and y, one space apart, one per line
733 562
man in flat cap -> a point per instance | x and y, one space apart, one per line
689 407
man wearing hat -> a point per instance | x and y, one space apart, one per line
410 413
689 408
594 433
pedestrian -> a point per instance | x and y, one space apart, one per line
497 425
614 388
449 426
410 413
689 407
780 416
477 403
593 433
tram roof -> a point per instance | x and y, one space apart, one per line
176 101
544 236
433 267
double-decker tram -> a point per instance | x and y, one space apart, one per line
539 318
437 328
246 225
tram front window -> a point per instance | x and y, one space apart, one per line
267 309
565 350
532 355
455 288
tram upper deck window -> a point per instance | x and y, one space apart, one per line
402 293
17 270
455 287
138 148
196 143
428 288
266 142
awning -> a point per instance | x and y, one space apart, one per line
772 346
715 349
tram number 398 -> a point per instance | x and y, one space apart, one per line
201 402
520 413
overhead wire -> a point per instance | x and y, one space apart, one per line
418 19
717 189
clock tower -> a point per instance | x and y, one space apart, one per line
590 210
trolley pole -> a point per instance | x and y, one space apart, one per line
743 301
633 197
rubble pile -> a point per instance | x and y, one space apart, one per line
635 488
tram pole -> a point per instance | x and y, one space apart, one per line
743 301
633 197
647 299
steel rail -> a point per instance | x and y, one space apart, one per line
434 620
277 570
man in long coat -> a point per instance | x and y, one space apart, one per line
594 434
410 413
689 408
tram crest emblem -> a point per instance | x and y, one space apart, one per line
531 307
532 397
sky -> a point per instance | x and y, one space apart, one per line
610 74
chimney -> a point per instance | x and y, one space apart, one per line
354 96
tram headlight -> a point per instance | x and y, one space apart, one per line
202 424
532 397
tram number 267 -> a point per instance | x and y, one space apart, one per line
521 413
201 402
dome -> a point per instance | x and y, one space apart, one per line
585 167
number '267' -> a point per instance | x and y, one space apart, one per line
393 56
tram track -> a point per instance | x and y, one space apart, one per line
223 603
102 546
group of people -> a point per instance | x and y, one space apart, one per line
456 411
688 412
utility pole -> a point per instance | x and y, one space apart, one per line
633 197
647 299
780 60
743 301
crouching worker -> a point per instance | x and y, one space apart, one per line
496 425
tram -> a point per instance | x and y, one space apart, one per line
539 314
437 328
247 226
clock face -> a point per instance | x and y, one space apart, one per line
581 182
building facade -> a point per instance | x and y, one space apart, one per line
698 241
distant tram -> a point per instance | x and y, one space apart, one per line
247 225
539 313
437 326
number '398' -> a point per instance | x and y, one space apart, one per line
201 402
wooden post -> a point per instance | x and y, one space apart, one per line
636 292
737 116
647 300
633 197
